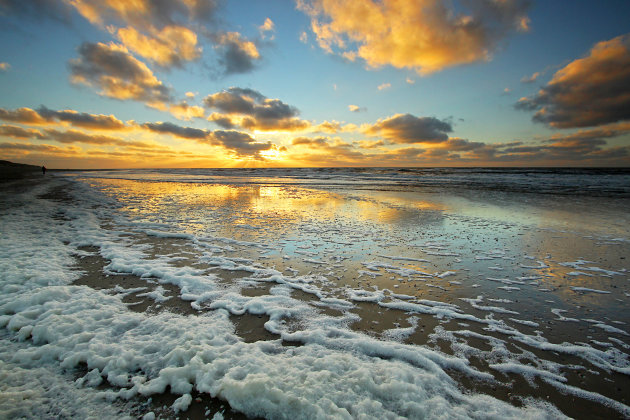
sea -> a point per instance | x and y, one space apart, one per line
310 293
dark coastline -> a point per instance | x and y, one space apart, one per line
12 171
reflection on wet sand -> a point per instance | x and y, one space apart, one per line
489 280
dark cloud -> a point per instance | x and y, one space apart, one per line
241 144
22 115
38 9
177 130
236 53
252 110
235 100
19 132
74 136
407 128
83 119
589 91
112 69
221 120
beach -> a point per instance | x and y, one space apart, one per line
316 294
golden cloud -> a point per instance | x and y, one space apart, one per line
23 116
169 46
17 132
111 68
183 111
424 35
45 116
156 31
142 13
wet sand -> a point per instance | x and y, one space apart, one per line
308 231
373 320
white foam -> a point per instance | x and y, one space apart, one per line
586 289
446 274
623 409
527 371
475 303
558 313
525 322
580 265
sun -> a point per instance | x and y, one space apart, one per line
271 154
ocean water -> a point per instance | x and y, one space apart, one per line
317 293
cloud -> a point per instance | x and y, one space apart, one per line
410 80
252 110
144 14
183 111
356 108
303 37
43 116
241 144
425 35
267 29
407 128
176 130
171 46
113 70
384 86
46 148
371 144
70 136
19 132
222 120
22 115
531 79
4 66
75 136
83 119
237 54
590 91
327 149
167 32
328 127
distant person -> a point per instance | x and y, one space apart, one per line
43 170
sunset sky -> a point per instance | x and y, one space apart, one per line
210 83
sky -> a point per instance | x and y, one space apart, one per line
89 84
